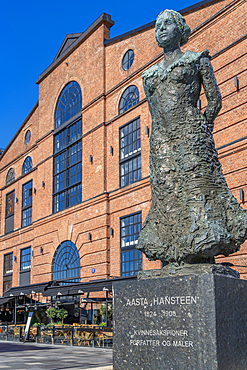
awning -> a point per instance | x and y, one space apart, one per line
88 300
26 290
56 291
5 300
31 305
81 288
51 289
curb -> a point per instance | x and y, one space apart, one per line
101 368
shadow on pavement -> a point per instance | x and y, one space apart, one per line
12 347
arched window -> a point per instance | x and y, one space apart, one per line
10 176
67 149
69 103
66 264
27 165
129 98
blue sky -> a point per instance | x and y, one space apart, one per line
32 32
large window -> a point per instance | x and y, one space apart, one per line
25 266
130 153
69 103
68 153
9 212
27 202
7 283
8 264
66 264
131 258
26 259
7 271
27 165
129 98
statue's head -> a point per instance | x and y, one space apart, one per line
171 27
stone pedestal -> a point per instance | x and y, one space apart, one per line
195 321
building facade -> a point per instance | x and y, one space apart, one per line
74 180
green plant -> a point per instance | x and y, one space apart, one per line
102 324
49 326
103 311
62 314
38 315
51 313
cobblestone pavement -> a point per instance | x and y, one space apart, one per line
25 356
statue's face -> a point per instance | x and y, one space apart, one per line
166 30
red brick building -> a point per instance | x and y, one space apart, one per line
74 180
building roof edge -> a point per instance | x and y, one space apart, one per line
103 18
19 130
146 26
198 5
129 33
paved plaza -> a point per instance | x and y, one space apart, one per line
25 356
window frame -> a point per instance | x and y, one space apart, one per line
67 160
61 252
12 179
78 165
78 104
28 169
7 280
28 137
129 61
123 97
4 264
10 215
28 206
28 260
13 212
130 248
131 156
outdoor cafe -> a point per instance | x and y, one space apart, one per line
60 312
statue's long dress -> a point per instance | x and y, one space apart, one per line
193 215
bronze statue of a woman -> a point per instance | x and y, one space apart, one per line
193 215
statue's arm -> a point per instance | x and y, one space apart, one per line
212 91
149 78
